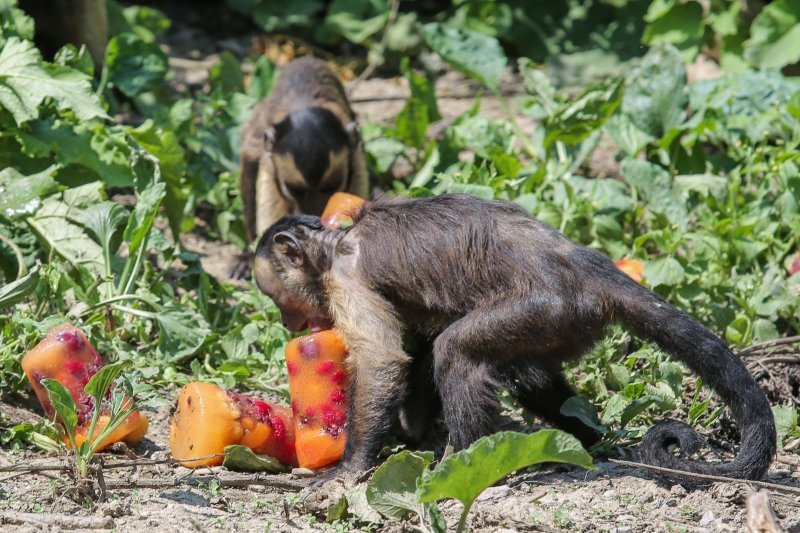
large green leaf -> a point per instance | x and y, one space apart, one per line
392 491
238 457
465 474
183 331
655 94
25 83
775 35
21 194
477 55
134 65
91 150
55 227
576 120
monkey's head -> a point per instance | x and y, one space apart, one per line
311 155
288 267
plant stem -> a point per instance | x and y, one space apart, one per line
462 522
122 298
527 145
21 270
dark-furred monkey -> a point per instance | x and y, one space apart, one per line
504 300
300 145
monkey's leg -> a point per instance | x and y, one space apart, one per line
543 393
421 404
378 366
476 351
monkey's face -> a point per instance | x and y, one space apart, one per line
284 277
310 194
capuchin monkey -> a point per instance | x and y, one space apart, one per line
504 300
300 145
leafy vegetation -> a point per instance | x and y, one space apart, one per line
104 174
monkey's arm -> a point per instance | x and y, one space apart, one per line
378 365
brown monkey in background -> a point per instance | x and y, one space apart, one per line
300 145
504 300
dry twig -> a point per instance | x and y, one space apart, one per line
783 489
57 520
760 516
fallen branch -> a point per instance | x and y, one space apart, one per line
760 516
194 481
707 477
44 467
755 348
58 520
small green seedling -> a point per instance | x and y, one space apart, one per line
120 406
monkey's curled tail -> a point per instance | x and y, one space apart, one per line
649 316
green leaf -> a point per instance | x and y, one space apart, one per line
141 220
421 89
392 489
56 230
383 152
793 105
19 289
583 410
775 35
785 421
655 185
242 458
655 95
14 21
634 408
62 403
476 55
355 20
165 146
183 331
103 220
663 271
275 16
575 121
680 25
465 474
412 123
98 385
25 83
134 65
147 22
337 511
20 195
92 150
75 58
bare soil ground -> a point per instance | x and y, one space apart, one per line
171 498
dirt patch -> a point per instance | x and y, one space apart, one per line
612 498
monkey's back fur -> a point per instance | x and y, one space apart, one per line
489 283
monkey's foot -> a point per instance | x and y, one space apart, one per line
242 268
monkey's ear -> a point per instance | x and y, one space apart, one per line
353 133
269 138
288 245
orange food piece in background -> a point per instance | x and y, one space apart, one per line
633 268
318 385
208 418
340 208
66 356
